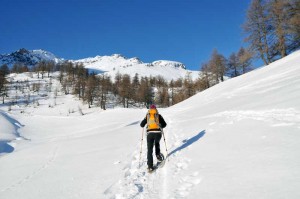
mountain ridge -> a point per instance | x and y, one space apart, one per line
110 65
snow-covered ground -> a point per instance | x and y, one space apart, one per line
238 139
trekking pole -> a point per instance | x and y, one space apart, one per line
162 131
141 147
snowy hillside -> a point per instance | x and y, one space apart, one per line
238 139
28 57
116 63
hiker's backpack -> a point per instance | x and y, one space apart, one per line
152 119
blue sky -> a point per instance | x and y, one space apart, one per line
181 30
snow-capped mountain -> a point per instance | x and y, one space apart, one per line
110 65
116 63
28 57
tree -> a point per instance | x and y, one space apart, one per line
19 68
172 89
91 87
257 28
50 67
41 67
204 79
244 60
189 88
233 65
178 82
279 24
3 86
217 66
160 81
80 77
179 96
294 22
163 97
145 94
125 90
135 85
105 85
116 85
4 70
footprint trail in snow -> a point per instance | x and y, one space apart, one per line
171 181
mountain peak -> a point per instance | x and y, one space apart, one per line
22 51
28 57
118 56
173 64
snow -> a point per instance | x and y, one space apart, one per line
45 55
143 70
111 65
238 139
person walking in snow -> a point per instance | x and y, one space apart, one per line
155 123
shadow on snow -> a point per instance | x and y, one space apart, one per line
133 123
188 142
5 148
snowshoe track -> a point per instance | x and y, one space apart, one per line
165 182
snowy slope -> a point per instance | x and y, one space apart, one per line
111 65
238 139
45 55
108 63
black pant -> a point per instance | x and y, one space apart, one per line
152 138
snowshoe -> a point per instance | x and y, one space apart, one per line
160 157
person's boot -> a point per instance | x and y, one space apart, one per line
160 157
150 169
